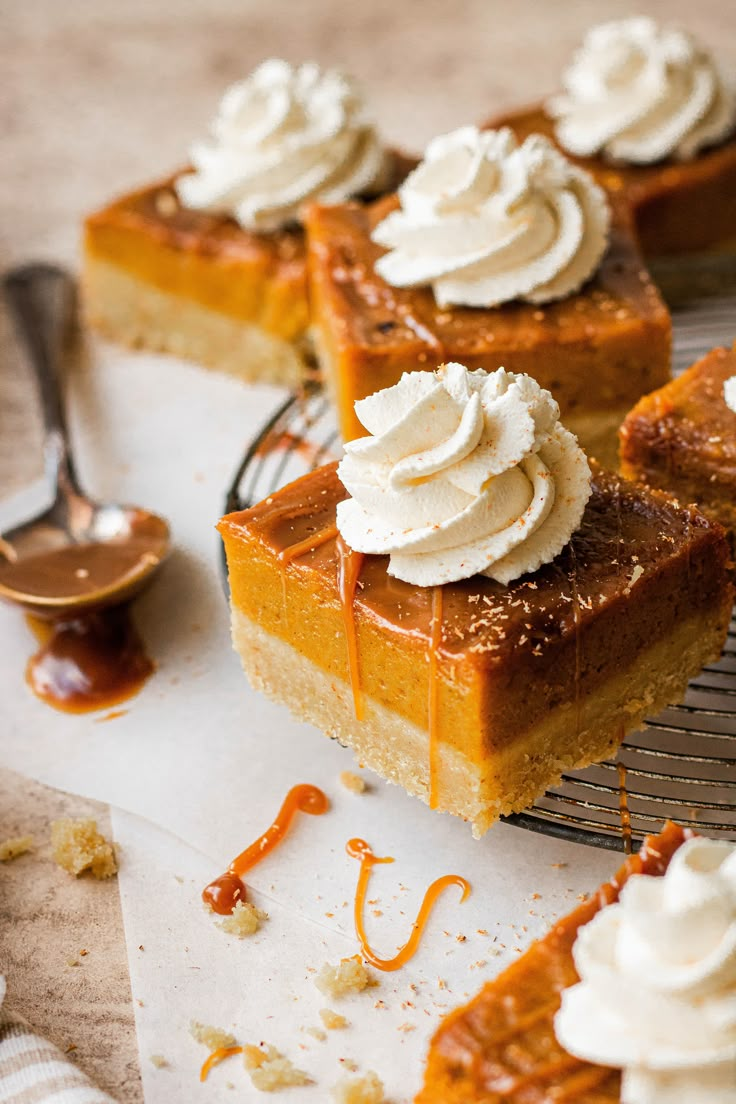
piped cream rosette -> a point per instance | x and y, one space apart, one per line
657 995
637 92
464 473
484 220
282 138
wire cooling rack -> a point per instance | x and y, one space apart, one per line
682 764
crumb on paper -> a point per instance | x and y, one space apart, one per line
270 1070
349 1064
15 846
72 961
367 1089
333 1021
316 1033
211 1037
353 782
349 976
406 1027
158 1061
78 846
245 919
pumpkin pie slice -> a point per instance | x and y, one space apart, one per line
475 696
211 264
677 206
682 438
501 1048
597 350
162 276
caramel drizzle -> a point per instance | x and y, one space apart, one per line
435 640
223 894
583 1080
309 544
623 805
550 1071
349 564
359 849
216 1057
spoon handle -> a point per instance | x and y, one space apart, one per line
41 298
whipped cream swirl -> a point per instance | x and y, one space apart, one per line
466 473
657 995
729 393
638 93
485 220
282 138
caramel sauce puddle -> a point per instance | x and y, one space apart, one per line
359 849
223 894
89 661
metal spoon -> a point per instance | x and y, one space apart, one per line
79 554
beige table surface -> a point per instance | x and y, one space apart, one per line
100 95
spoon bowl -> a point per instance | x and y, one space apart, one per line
78 554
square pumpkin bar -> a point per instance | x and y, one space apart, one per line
480 701
682 438
501 1047
177 280
678 206
166 277
597 351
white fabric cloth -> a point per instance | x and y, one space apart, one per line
34 1071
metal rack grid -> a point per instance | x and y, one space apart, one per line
682 764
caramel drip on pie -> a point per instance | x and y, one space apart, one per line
523 1023
432 719
216 1057
307 545
223 894
582 1081
359 849
349 564
623 804
286 555
550 1071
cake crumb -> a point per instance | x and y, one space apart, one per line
14 846
72 961
333 1021
349 1064
359 1090
353 782
211 1037
78 846
349 976
244 920
270 1070
316 1033
158 1061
